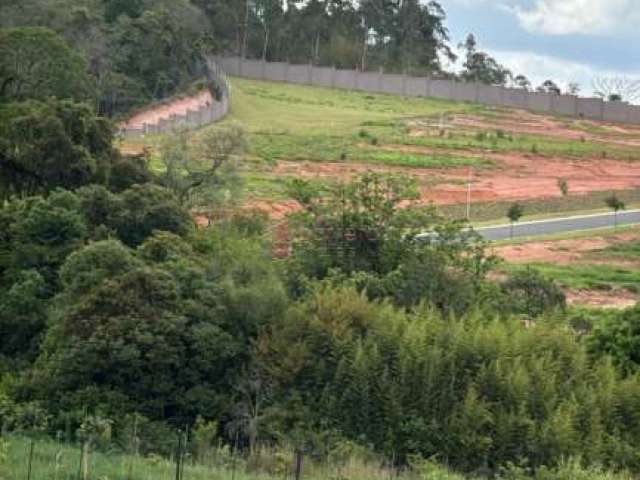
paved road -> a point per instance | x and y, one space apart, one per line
559 225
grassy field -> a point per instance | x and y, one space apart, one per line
57 461
292 122
587 276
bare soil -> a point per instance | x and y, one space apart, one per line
614 299
565 252
178 106
516 176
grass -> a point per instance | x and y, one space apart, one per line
586 276
522 144
543 208
300 123
57 461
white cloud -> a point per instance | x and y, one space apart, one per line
582 17
539 68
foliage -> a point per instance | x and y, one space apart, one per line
36 63
476 393
480 67
619 337
528 292
58 144
207 173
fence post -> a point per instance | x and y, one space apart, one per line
298 459
404 84
31 447
310 74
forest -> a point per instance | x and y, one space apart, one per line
118 310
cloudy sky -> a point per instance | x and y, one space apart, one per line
566 40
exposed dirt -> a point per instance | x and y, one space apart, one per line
566 251
526 123
614 299
579 251
516 176
175 107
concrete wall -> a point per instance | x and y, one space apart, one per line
441 89
539 102
616 112
569 105
300 74
515 97
490 95
465 92
565 105
323 76
345 79
368 81
393 84
275 71
194 118
634 114
417 87
590 108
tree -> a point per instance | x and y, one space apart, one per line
615 204
573 88
563 186
549 86
58 144
480 67
36 63
529 292
619 337
617 89
520 81
514 214
205 174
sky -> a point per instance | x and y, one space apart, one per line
564 40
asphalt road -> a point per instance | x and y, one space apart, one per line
559 225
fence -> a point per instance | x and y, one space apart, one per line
378 82
204 115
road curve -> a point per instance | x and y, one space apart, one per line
559 225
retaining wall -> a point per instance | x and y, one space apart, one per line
206 114
569 105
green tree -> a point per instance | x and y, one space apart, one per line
480 67
615 204
529 292
206 175
514 214
58 144
619 337
36 63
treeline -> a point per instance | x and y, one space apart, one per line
119 55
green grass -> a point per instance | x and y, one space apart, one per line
543 208
300 123
58 461
523 144
586 276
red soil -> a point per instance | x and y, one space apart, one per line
517 176
176 107
564 252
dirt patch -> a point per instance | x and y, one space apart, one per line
565 251
614 299
516 176
526 123
179 106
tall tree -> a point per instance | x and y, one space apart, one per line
36 63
